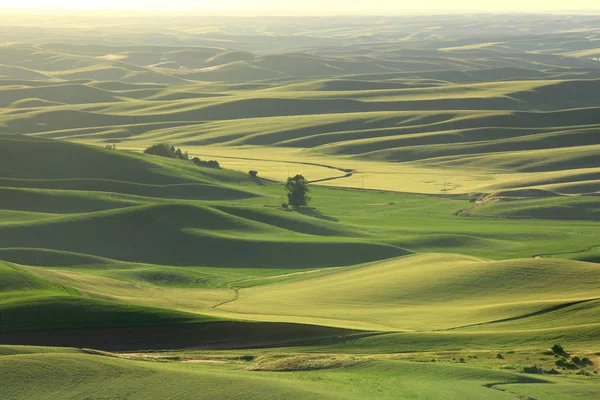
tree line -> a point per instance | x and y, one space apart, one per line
164 150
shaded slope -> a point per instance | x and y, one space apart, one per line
28 302
30 313
208 334
46 160
193 236
184 191
53 164
59 202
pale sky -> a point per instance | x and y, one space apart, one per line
307 6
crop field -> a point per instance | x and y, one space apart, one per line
451 241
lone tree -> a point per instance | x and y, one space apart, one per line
297 188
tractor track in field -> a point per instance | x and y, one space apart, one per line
347 171
236 296
494 386
567 252
231 286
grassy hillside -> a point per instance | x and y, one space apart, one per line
32 303
433 292
92 374
451 239
554 207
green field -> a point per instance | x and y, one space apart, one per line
452 237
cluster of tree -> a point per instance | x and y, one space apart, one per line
164 150
110 147
209 164
297 187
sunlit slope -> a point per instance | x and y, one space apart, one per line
84 374
539 206
453 142
224 102
432 292
212 62
69 93
537 123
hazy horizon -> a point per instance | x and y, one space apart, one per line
308 6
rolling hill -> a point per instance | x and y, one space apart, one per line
451 240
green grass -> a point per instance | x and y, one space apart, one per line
433 292
565 208
455 172
29 302
113 378
14 279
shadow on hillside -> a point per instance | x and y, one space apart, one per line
261 181
312 212
217 335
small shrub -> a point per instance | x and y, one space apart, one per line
534 369
181 155
285 206
585 373
500 357
586 361
582 362
538 370
564 363
110 147
253 173
558 349
207 164
461 360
